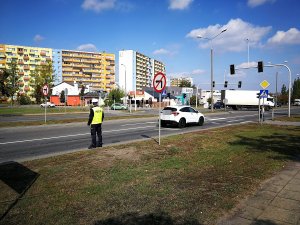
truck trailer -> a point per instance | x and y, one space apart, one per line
238 99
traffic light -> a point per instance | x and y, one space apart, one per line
226 84
232 70
240 84
213 84
260 66
184 95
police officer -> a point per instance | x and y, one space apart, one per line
96 118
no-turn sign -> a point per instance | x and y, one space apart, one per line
159 82
45 90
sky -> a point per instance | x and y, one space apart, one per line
179 33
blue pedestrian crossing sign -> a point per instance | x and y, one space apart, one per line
263 93
164 92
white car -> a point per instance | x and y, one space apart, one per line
180 116
48 104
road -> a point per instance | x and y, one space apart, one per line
24 143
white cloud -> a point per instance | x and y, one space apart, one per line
255 3
38 38
188 74
161 51
179 4
98 5
234 39
292 36
87 47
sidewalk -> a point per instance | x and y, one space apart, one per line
276 202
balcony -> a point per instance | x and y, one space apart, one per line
48 59
27 89
43 53
43 63
20 51
21 73
26 78
26 57
21 84
26 67
20 62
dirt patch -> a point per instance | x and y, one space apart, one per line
129 153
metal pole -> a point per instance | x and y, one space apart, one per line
159 119
196 97
211 79
45 110
276 90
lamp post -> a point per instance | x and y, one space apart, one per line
247 39
125 85
211 66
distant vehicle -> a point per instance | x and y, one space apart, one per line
218 105
238 99
297 102
48 105
118 106
181 116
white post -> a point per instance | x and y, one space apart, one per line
159 118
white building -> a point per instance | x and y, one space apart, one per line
137 70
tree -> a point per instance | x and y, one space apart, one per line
62 98
185 83
117 94
9 80
283 97
296 89
193 100
39 77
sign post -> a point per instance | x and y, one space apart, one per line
45 91
159 84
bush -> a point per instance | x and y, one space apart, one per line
25 100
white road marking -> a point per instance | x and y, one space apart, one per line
72 135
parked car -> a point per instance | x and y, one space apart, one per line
117 106
181 116
48 104
218 105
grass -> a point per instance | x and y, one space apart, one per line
138 183
294 118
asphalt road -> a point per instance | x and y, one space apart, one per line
25 143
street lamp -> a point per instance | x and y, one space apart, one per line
125 85
211 65
247 39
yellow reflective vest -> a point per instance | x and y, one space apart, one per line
98 112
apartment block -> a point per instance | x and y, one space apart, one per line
27 59
176 81
137 70
96 71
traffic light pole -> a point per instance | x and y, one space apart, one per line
290 79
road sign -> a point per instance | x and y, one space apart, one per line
159 82
45 90
263 93
164 92
264 84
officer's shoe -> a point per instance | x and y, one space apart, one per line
91 147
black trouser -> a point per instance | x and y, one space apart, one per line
96 129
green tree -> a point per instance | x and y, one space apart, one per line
117 94
9 81
193 100
62 98
39 77
185 83
283 97
296 89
